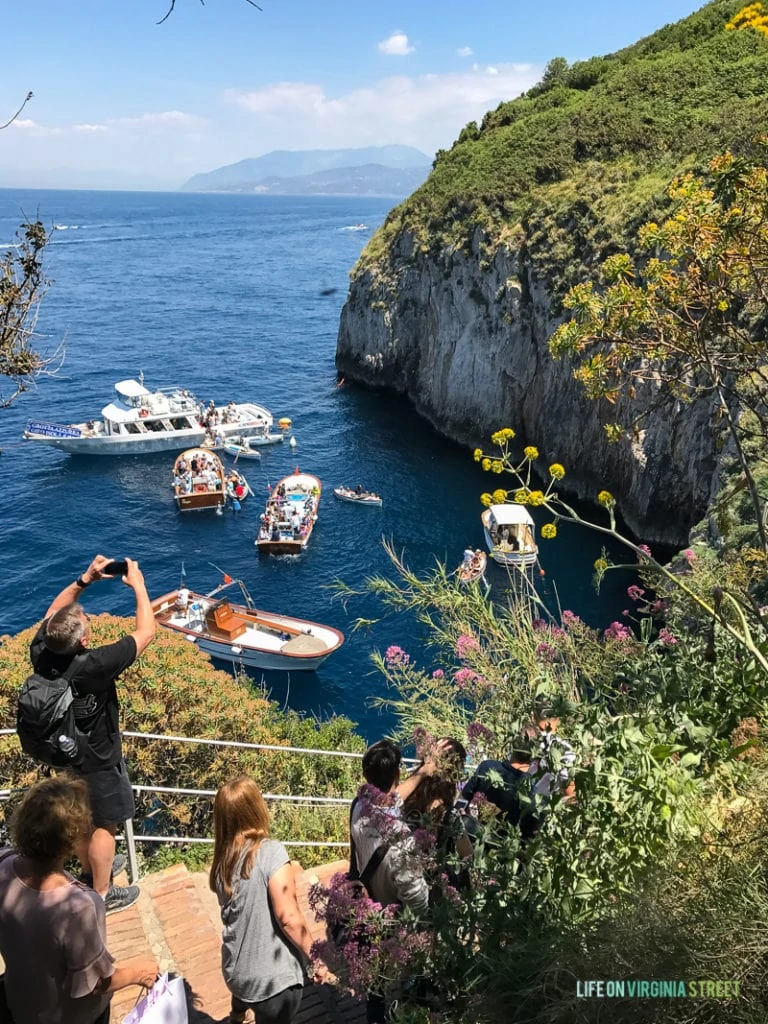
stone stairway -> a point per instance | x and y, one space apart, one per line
176 919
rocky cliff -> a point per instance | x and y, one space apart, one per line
454 300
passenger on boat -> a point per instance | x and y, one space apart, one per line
182 600
263 533
239 489
469 555
275 535
182 465
303 530
187 482
193 463
359 490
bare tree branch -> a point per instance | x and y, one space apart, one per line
169 12
27 98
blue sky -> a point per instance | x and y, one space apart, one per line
121 101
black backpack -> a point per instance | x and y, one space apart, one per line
342 932
45 720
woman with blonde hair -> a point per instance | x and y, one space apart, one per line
53 929
265 937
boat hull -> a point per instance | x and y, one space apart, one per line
200 502
135 444
473 573
240 453
356 499
518 559
270 642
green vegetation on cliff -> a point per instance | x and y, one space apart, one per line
585 156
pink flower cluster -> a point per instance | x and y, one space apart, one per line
617 632
464 677
635 592
570 619
667 639
546 652
395 656
644 550
465 645
478 733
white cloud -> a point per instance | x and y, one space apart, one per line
427 111
89 128
23 122
396 45
465 51
167 118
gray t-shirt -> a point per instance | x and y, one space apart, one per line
257 960
54 946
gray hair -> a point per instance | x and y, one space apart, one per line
65 629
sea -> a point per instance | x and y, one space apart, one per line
238 297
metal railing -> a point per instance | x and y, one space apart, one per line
130 838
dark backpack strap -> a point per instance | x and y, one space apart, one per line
353 873
71 670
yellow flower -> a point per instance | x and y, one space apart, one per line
521 496
536 498
549 531
502 436
606 499
499 497
486 499
497 466
722 305
530 452
486 463
601 564
556 471
477 454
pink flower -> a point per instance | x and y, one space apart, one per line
625 613
546 652
538 624
478 733
635 592
690 555
667 638
465 644
569 618
464 677
659 606
645 550
395 656
617 632
438 673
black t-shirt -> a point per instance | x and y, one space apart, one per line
96 707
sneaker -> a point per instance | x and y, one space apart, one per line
118 865
119 897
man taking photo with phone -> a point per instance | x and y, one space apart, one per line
62 639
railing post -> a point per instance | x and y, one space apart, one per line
133 863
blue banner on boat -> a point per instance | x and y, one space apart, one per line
52 430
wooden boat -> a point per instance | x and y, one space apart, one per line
197 489
361 498
510 535
244 636
290 515
469 572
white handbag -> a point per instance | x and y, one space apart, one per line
165 1003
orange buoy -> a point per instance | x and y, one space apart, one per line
296 471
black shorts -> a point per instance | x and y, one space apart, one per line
280 1008
111 795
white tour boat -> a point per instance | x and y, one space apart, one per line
244 636
510 535
139 421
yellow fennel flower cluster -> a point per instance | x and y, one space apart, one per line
530 452
536 498
549 531
521 496
497 466
499 497
601 564
752 16
486 463
556 471
502 436
606 499
477 454
486 499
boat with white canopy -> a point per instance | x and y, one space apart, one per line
510 534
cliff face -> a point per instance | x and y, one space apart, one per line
463 334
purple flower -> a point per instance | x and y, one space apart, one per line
546 652
659 606
635 592
465 645
395 656
538 624
625 613
569 618
667 639
478 733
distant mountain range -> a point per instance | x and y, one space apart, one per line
373 171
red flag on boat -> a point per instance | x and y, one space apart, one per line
227 578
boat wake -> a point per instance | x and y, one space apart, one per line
355 227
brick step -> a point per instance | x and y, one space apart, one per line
177 919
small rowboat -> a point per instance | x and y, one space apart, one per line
198 481
238 487
241 448
474 570
358 498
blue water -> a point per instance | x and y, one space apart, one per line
221 294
